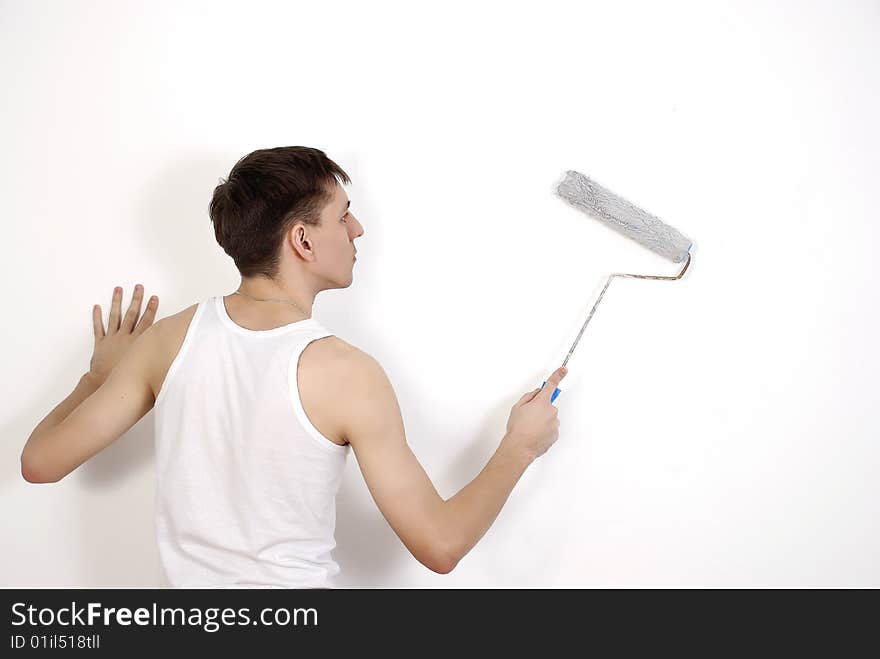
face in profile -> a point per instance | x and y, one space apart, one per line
339 228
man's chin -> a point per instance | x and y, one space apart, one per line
346 282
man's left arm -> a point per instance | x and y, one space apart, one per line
104 405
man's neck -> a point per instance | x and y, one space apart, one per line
265 289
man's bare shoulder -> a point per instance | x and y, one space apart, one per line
351 363
179 320
170 331
340 362
165 337
326 369
332 348
345 368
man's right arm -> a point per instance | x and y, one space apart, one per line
437 532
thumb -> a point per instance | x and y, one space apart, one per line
552 382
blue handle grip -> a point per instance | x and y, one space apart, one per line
555 393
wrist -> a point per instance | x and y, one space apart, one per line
517 449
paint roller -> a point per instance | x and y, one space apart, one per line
614 211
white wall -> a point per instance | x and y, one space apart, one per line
723 430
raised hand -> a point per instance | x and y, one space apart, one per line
121 331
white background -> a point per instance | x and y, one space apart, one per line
719 430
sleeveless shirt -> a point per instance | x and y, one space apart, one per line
246 485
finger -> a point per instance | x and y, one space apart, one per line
115 312
552 382
533 393
149 315
526 397
97 321
134 309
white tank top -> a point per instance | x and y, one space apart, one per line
246 485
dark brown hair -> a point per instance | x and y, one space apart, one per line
267 192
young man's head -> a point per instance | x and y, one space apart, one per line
282 214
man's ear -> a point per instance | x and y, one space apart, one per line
300 242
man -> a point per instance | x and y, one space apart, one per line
257 403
